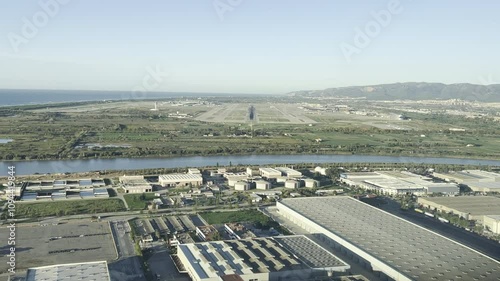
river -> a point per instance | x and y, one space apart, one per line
63 166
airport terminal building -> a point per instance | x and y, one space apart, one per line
391 247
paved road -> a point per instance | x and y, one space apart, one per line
127 215
479 243
128 266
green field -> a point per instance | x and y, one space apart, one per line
65 131
249 216
137 202
65 208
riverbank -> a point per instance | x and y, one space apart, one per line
114 174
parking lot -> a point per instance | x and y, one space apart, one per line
161 264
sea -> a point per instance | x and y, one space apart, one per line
27 97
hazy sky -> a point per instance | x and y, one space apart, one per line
247 46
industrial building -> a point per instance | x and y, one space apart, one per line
390 246
320 170
284 258
194 171
291 173
176 180
477 180
311 183
492 223
252 172
262 185
206 232
292 184
242 186
62 189
233 178
135 184
238 231
395 183
269 173
467 207
86 271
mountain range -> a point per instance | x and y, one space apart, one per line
411 91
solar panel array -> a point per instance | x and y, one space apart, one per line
309 252
261 255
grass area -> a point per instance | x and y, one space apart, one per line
260 220
64 208
236 216
59 132
137 202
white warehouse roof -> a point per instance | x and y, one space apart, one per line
181 177
88 271
383 238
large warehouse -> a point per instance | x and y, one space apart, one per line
174 180
262 259
288 172
477 180
86 271
135 184
394 183
467 207
390 246
269 173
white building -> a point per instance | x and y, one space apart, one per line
477 180
175 180
291 173
269 173
83 271
263 185
135 184
292 184
252 172
320 170
242 186
232 180
390 246
397 183
194 171
311 183
492 223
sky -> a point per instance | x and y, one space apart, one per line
245 46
